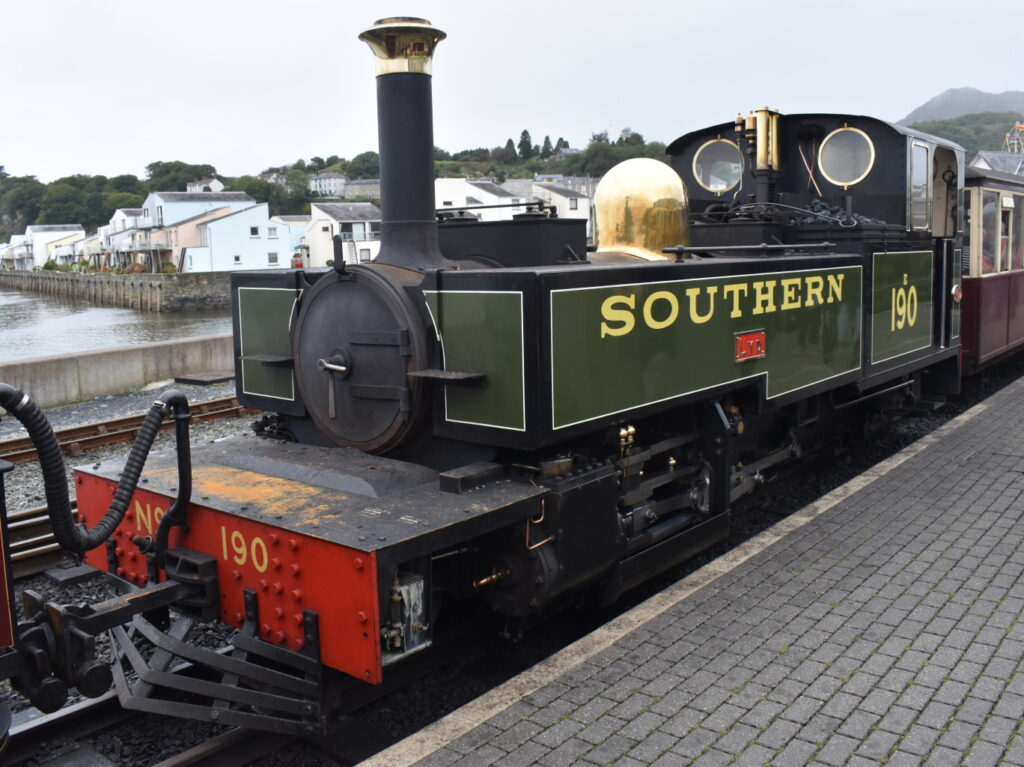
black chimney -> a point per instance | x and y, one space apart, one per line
404 48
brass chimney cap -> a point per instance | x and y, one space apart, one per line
403 44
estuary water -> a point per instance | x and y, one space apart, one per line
37 325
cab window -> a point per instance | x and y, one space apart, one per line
920 176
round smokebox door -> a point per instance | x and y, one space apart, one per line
356 339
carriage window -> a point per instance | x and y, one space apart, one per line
989 223
1017 239
718 165
846 156
968 232
920 173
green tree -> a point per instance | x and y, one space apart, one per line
505 155
114 200
298 181
126 183
365 165
629 138
546 149
525 145
472 155
333 160
263 191
174 176
63 203
20 197
317 164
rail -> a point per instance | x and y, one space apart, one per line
78 438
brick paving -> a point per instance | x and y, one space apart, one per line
887 630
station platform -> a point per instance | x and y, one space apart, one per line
880 625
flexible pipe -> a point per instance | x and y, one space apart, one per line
72 537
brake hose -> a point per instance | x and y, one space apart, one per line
72 537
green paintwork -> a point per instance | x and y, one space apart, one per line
264 317
895 332
482 332
807 340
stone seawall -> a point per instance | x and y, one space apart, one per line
53 381
146 292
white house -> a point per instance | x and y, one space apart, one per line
244 239
463 192
16 254
38 236
328 183
163 208
358 223
63 251
568 203
205 184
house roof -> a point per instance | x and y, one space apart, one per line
237 212
490 188
205 196
561 190
1007 162
291 219
53 227
472 201
349 211
131 211
191 218
328 174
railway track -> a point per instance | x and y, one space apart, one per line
76 439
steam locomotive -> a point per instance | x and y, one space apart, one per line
491 414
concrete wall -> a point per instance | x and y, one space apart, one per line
146 292
53 381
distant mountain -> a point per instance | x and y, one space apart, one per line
964 101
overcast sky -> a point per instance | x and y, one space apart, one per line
108 87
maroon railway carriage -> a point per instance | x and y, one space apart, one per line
993 267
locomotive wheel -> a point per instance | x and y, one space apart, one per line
357 337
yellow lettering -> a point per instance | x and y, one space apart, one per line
764 297
835 287
736 291
695 316
815 286
145 521
673 309
611 314
790 297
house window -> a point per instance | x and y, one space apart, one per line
238 259
271 258
254 231
574 204
364 254
272 232
324 229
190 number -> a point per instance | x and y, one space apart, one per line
904 307
235 548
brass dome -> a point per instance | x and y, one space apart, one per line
640 207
